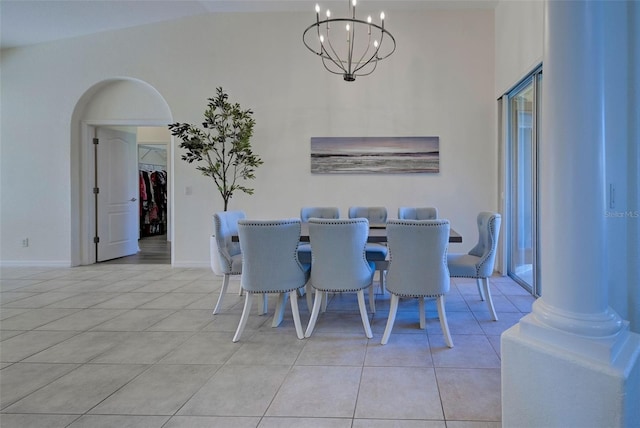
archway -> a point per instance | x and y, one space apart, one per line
112 102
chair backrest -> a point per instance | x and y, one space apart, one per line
418 263
488 232
318 212
417 213
225 225
373 214
338 254
270 255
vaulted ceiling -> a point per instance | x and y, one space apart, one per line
27 22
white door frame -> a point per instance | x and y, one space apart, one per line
87 177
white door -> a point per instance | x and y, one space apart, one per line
118 205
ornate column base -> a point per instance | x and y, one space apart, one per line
558 378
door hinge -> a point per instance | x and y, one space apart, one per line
96 190
95 141
96 239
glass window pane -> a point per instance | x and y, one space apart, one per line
522 124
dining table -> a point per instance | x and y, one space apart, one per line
377 233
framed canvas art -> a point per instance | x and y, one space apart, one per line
366 155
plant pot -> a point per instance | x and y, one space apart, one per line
213 256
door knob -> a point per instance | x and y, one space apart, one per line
133 199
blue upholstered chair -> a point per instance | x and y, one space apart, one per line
225 224
270 251
417 213
478 262
318 212
304 249
339 263
376 253
373 214
418 267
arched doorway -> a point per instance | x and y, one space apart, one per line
114 103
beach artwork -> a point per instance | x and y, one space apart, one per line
365 155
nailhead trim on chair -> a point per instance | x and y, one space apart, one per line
420 295
364 255
482 261
295 253
419 223
228 264
493 233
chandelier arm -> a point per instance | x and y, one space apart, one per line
358 66
324 63
375 58
351 41
337 60
372 59
380 45
375 64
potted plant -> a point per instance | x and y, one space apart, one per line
221 148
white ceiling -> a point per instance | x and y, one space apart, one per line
27 22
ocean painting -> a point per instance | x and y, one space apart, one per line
364 155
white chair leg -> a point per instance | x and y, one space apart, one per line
393 310
423 316
372 299
265 303
309 296
296 314
444 325
317 302
383 274
245 316
381 267
487 293
480 291
223 290
278 316
325 300
364 315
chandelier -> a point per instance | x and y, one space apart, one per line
349 46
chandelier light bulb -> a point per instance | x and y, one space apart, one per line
328 13
381 16
375 44
321 38
317 8
348 28
369 19
353 2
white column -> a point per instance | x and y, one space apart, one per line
573 360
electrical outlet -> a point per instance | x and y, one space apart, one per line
25 242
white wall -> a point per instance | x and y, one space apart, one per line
439 82
518 41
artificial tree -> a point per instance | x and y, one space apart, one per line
222 147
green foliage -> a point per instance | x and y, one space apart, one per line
222 147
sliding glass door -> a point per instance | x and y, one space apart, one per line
522 151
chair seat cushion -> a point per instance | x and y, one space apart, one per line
462 265
376 252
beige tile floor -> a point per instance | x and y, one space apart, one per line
136 346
